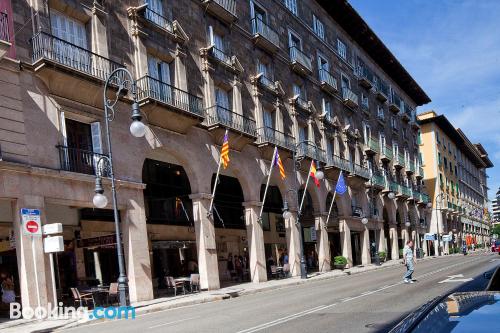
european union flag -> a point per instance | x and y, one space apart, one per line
341 187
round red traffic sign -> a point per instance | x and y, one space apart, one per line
32 227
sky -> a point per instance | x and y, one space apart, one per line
452 49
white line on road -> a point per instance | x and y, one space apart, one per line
172 322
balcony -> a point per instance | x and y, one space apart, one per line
395 103
349 98
420 173
267 83
406 115
167 106
395 188
357 211
378 181
70 71
268 136
365 106
4 34
225 10
385 153
158 20
372 146
301 62
365 76
220 116
309 150
334 161
405 191
327 81
361 171
381 90
81 161
399 161
424 198
264 36
409 167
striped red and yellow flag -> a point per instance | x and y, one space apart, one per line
224 154
313 174
279 164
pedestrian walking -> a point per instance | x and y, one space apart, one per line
409 261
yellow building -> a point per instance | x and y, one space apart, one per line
455 179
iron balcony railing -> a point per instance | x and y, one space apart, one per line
302 103
396 100
82 161
349 95
420 171
310 150
220 55
262 28
220 115
267 82
326 77
339 163
365 72
46 46
399 159
158 19
406 191
365 104
373 144
149 87
229 5
381 87
424 198
361 171
296 55
378 179
4 27
386 151
275 137
394 187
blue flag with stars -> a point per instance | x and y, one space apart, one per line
341 187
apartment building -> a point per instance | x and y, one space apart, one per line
310 78
455 178
496 208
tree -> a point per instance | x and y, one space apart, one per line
496 230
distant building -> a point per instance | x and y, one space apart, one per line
496 208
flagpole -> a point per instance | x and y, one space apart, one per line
305 188
267 184
333 199
209 213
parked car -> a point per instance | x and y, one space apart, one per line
497 246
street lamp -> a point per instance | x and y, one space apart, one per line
122 78
391 195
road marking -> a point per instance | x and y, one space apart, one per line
455 278
172 322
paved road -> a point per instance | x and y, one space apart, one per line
367 302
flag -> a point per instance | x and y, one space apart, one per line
341 187
279 164
313 174
224 154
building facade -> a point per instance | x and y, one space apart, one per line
307 77
496 208
456 180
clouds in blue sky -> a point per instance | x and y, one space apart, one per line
452 49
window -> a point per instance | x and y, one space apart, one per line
222 98
291 5
299 91
302 134
268 119
294 40
395 149
329 148
394 123
218 42
439 158
323 64
345 82
327 108
380 112
159 79
342 49
445 161
318 27
382 140
405 133
367 132
364 101
264 69
68 29
437 138
258 13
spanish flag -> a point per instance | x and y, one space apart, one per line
224 154
279 164
313 174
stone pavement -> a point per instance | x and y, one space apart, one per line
203 297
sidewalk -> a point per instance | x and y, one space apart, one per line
166 303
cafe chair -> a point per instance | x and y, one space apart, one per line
274 271
286 270
172 284
81 299
195 282
112 293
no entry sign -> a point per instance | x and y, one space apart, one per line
30 219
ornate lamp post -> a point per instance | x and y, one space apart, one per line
122 78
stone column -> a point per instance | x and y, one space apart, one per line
256 248
381 241
365 247
293 243
345 239
405 235
136 250
99 42
25 261
324 256
180 69
393 234
205 242
237 101
97 267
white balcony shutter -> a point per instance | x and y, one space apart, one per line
95 130
268 119
68 29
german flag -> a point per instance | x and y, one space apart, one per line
224 154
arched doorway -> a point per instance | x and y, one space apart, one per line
387 233
308 231
333 228
169 217
230 230
273 226
400 226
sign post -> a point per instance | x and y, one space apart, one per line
51 245
31 224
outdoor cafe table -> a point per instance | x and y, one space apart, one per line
98 293
185 279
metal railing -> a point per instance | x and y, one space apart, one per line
229 5
4 27
386 151
349 95
81 161
46 46
220 115
296 55
365 72
221 55
394 187
379 180
326 77
302 103
339 163
396 100
361 171
149 87
158 19
365 104
406 190
357 211
381 87
275 137
262 28
267 82
424 198
310 150
399 159
373 144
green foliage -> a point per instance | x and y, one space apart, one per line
339 260
382 254
496 230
